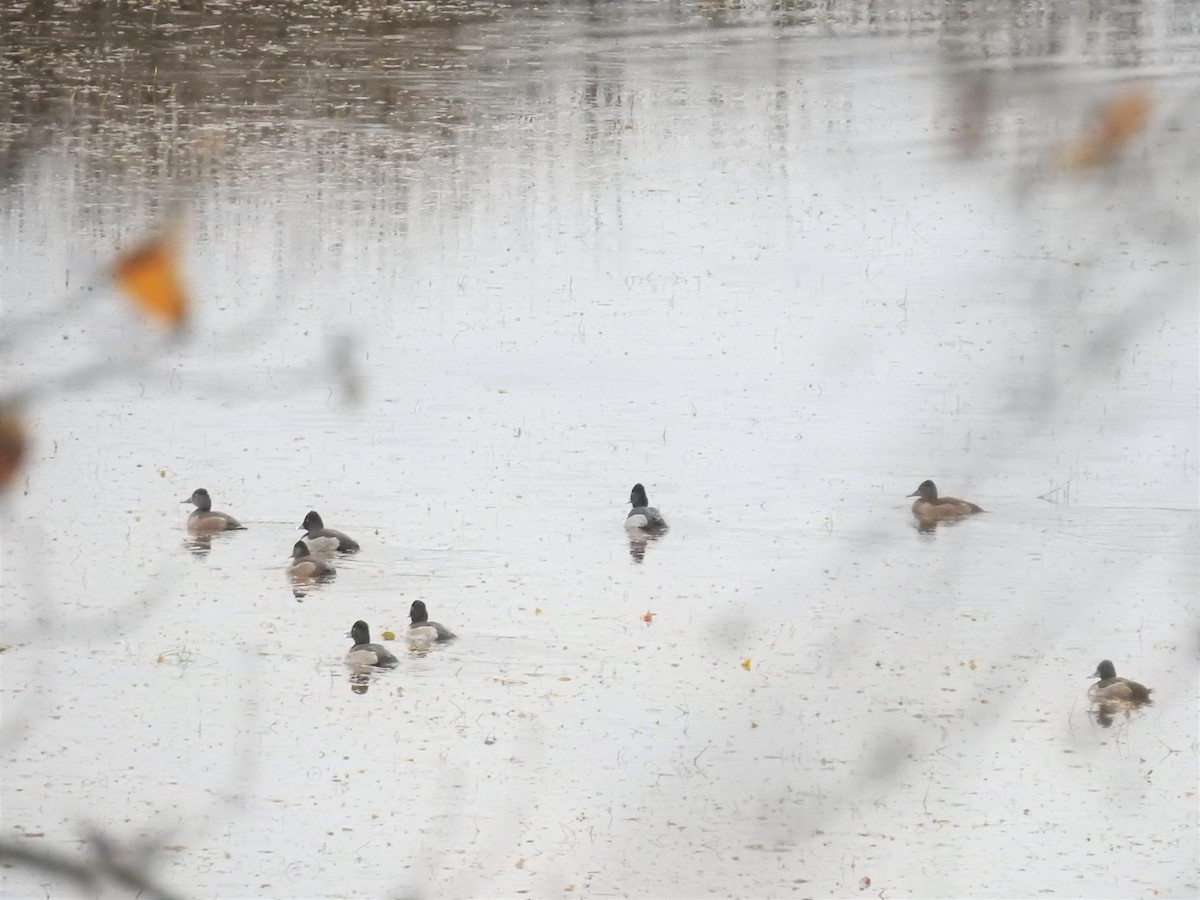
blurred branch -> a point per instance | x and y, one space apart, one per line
88 874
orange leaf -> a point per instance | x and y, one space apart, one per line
648 618
1118 120
12 446
149 274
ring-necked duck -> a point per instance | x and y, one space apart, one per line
929 507
204 519
306 567
643 515
1110 687
422 631
322 539
364 653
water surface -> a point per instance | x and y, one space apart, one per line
465 275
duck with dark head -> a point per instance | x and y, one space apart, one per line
929 508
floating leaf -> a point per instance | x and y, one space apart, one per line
648 617
564 677
971 665
746 664
537 610
389 635
149 274
864 883
12 446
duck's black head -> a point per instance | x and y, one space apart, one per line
637 497
360 633
312 522
417 613
1105 670
300 550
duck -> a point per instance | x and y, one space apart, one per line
364 653
929 507
306 567
322 539
424 632
1110 687
204 519
643 516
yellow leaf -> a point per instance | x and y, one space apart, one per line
389 635
971 665
564 677
537 610
746 664
149 274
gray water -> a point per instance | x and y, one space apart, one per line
461 277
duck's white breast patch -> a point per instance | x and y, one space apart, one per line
362 657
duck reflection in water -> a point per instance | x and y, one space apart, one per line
199 544
638 544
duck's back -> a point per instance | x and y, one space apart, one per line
1120 689
329 540
430 633
645 517
207 520
943 508
371 655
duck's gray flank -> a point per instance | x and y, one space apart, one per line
322 539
